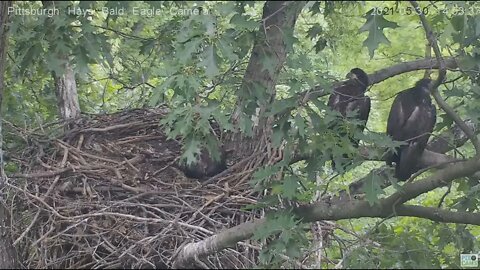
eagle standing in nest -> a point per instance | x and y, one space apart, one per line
350 97
412 118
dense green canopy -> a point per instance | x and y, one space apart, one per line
264 68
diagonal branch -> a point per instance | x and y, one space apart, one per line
342 208
451 138
441 76
383 74
216 242
438 215
441 178
432 156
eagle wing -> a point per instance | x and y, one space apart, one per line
364 110
419 126
396 119
337 100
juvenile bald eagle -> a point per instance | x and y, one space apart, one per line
412 118
350 97
211 160
206 165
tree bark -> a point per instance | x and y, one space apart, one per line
65 84
342 208
257 91
66 92
278 21
8 254
384 74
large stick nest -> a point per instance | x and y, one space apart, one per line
107 194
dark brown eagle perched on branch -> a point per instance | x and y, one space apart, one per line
350 97
412 118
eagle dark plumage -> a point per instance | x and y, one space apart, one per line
350 97
411 119
205 166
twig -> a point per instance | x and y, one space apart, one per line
34 222
441 76
444 195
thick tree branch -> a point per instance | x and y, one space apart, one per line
428 158
433 156
271 44
215 243
438 215
441 178
384 74
451 138
441 76
341 208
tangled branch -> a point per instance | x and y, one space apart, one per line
108 194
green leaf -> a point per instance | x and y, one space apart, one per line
375 25
447 34
320 45
301 126
30 56
224 121
147 46
224 44
210 26
466 62
185 52
159 90
155 98
82 60
290 185
242 23
293 250
316 9
277 136
316 120
269 62
225 9
210 62
192 149
246 125
315 30
373 189
56 65
282 105
289 38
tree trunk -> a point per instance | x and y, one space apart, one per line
266 61
66 92
268 55
8 254
65 84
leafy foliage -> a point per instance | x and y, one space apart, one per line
195 65
375 26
